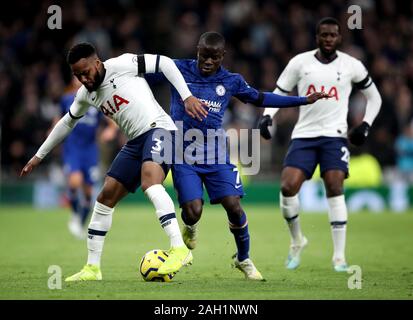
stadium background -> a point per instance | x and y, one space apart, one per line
261 37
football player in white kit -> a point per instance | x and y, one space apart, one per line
118 89
320 135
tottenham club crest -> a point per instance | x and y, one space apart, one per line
220 90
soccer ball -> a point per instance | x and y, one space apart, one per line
150 263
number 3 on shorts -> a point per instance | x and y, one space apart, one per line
346 155
157 147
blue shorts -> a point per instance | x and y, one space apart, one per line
126 168
305 153
83 160
220 180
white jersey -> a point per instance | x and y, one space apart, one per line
326 117
125 96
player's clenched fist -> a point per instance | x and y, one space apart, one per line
195 108
311 98
33 162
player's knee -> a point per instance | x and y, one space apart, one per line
233 207
235 210
146 185
75 180
148 181
151 174
191 212
106 197
289 188
333 190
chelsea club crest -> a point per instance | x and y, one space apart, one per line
220 90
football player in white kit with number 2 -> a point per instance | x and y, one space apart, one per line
118 89
320 135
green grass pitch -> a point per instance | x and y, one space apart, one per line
381 244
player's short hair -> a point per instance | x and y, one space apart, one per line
212 38
327 20
79 51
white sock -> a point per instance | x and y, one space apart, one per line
165 211
289 208
337 213
99 225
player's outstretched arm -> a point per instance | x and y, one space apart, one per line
60 131
273 100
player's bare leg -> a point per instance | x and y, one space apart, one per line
112 192
75 182
191 213
291 182
337 213
152 176
238 225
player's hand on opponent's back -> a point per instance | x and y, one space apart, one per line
33 162
313 97
195 108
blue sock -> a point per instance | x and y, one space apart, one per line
74 200
239 228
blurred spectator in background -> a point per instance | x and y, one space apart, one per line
404 149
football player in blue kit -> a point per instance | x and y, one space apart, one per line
215 86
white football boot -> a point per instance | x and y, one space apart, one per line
248 268
340 265
294 255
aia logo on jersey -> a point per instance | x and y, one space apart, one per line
109 109
332 92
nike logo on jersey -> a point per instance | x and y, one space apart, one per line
113 83
238 186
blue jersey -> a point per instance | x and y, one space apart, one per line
216 92
83 136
